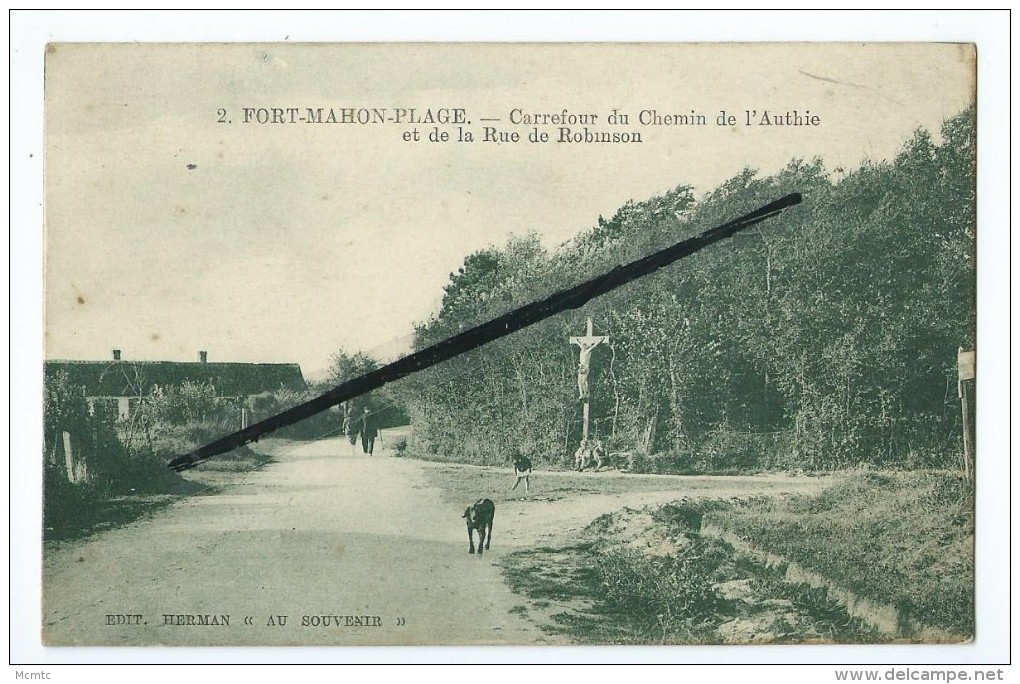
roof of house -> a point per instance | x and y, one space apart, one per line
137 378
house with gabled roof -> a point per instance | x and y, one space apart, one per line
125 382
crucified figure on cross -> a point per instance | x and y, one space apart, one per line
587 345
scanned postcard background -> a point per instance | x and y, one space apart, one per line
272 203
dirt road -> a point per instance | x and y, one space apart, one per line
352 550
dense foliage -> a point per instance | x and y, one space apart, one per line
115 454
383 403
116 468
819 339
92 434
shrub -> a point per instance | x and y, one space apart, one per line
92 433
674 591
268 404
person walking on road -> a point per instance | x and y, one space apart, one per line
350 425
369 431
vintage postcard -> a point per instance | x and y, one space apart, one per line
767 437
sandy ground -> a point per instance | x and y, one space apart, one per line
366 542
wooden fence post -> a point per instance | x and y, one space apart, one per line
966 368
68 457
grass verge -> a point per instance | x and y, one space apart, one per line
599 596
466 483
74 511
902 538
650 577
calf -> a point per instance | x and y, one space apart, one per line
479 517
522 471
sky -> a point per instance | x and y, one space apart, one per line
169 231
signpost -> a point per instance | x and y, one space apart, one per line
966 363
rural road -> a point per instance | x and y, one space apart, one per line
366 542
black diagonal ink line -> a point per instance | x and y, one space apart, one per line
513 321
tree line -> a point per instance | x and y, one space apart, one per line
823 338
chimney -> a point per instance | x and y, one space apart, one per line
116 355
203 356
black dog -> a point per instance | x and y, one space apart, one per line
479 517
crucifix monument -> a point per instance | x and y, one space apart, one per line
587 345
